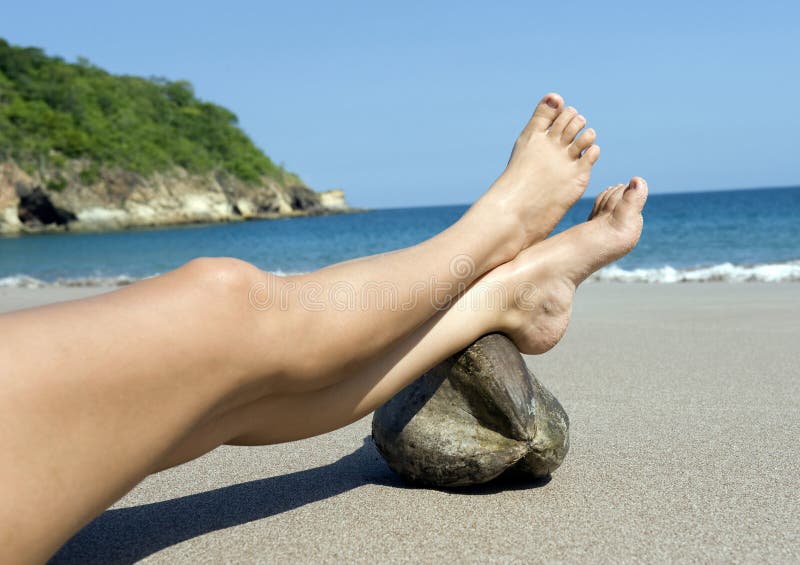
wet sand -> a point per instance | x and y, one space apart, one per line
685 446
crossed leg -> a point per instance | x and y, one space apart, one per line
99 393
536 321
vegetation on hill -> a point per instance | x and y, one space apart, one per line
52 111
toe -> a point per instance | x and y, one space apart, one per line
590 156
627 213
601 202
613 197
548 110
563 119
598 203
584 141
634 196
571 130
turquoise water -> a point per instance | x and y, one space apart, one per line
726 235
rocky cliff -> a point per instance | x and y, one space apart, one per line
84 149
118 199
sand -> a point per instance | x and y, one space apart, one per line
684 401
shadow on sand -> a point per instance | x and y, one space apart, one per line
126 535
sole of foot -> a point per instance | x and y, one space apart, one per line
541 281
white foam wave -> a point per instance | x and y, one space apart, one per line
27 281
724 272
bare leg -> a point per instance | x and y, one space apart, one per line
403 289
555 267
98 393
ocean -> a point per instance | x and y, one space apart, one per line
733 236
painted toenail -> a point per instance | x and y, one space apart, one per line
634 184
552 102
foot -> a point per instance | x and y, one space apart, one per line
547 173
541 281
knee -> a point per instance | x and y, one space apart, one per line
236 286
222 276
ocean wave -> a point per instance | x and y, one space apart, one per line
723 272
27 281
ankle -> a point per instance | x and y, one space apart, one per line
489 231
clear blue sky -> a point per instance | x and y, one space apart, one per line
413 103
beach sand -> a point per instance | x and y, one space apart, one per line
685 446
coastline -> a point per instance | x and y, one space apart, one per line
118 200
694 238
725 273
684 433
106 228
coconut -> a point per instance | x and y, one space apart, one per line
474 416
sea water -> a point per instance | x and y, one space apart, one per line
735 236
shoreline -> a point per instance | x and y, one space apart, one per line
77 228
726 274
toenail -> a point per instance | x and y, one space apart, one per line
552 102
634 184
581 118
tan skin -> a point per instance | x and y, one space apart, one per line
101 392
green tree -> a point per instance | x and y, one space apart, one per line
51 109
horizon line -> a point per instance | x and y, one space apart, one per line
652 194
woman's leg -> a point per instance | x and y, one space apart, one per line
96 393
548 171
535 321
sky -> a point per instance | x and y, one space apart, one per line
418 103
